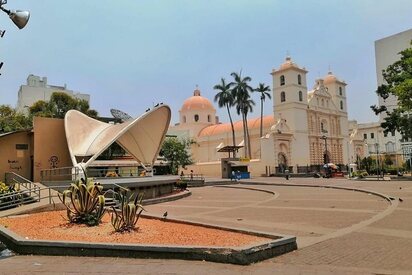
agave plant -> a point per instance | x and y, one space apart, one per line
84 201
129 214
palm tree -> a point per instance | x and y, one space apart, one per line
224 98
241 94
263 90
248 107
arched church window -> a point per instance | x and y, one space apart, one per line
322 127
282 80
341 105
196 118
282 97
208 118
299 79
300 96
340 91
323 102
184 119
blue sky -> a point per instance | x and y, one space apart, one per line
131 54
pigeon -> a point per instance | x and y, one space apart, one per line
148 109
157 105
401 200
400 187
165 215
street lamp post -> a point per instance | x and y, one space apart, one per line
377 160
19 18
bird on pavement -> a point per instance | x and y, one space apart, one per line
401 200
165 215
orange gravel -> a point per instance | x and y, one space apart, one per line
54 226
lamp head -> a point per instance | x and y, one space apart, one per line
19 18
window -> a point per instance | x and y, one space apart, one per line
300 96
22 146
196 118
282 80
299 79
282 97
390 147
365 136
340 91
323 103
184 119
372 135
322 127
208 118
341 105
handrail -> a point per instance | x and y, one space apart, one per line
32 192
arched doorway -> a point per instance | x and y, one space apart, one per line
282 162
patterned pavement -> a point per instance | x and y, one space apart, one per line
338 231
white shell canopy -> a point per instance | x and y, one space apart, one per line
142 137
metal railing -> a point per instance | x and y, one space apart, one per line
68 174
198 177
22 191
63 174
30 192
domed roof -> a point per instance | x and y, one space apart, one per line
289 64
197 102
253 123
330 78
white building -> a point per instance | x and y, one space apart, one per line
386 53
37 89
306 129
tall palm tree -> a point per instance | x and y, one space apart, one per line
241 94
263 90
224 98
248 107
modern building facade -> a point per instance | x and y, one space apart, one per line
37 88
377 142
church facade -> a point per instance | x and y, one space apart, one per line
308 127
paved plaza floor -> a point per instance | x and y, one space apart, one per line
338 231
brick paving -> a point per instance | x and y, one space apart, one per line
314 215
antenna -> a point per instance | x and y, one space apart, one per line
120 115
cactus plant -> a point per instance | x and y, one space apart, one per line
129 214
84 201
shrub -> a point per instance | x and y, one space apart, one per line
181 184
86 204
129 214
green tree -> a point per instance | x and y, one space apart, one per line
241 93
224 98
11 120
263 90
388 160
398 77
176 152
367 163
59 104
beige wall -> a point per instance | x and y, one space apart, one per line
50 145
13 159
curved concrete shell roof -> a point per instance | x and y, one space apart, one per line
142 137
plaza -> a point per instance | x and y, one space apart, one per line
338 231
